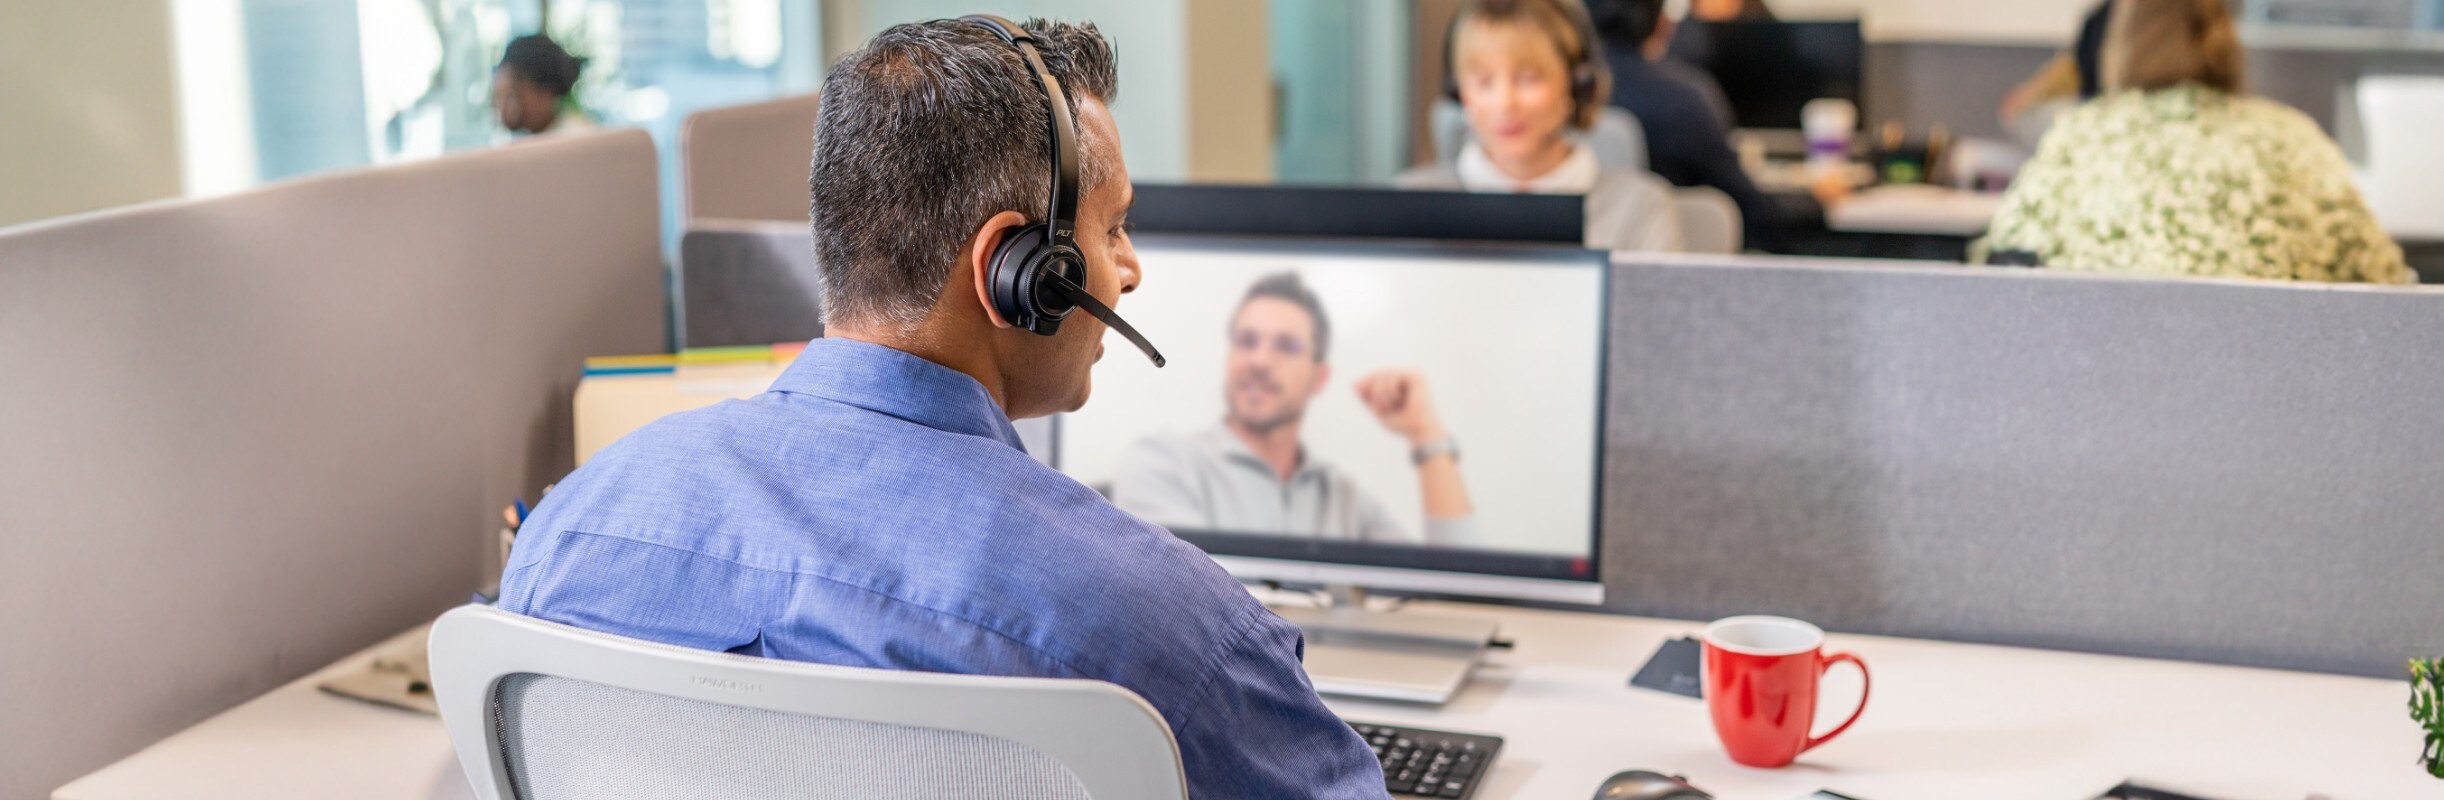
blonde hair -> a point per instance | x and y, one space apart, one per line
1564 23
2154 44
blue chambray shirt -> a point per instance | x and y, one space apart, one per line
875 509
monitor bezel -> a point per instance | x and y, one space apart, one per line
1443 571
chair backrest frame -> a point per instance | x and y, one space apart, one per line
1114 742
1710 220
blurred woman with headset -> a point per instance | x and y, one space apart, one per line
1529 73
2175 171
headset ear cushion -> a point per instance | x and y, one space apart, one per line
1009 279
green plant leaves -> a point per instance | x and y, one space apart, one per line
2427 707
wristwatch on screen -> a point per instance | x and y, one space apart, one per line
1427 452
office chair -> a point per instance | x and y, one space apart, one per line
1709 220
539 710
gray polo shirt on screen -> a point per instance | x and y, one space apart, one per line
1211 481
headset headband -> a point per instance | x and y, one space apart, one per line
1062 209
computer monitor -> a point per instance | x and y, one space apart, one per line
1409 416
1359 213
1769 70
1259 443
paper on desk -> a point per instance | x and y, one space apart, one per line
400 679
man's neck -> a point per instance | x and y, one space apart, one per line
971 361
1277 447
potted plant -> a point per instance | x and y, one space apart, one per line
2427 706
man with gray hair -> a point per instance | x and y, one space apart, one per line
875 508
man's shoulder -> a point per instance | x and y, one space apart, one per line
1663 96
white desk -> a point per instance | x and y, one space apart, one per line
1947 721
1920 209
296 742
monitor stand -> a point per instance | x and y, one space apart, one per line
1419 658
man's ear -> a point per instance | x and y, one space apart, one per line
979 260
1323 375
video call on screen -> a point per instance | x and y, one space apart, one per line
1501 353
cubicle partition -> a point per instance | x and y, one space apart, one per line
2244 473
244 436
745 282
2221 471
749 162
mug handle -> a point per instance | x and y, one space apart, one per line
1865 684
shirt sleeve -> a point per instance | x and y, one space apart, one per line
1260 731
1153 483
1662 232
1633 212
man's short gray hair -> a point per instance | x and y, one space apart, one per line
925 133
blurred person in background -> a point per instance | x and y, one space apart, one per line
2073 76
530 88
2173 170
1730 11
1531 79
1687 122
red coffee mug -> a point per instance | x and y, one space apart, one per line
1760 680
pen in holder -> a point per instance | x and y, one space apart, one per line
514 516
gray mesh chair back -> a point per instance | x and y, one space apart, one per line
539 711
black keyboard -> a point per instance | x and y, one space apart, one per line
1423 763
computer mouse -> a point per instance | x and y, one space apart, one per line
1638 784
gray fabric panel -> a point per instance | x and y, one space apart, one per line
2231 473
2113 465
243 437
748 283
564 738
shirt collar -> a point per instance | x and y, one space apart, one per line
897 384
1576 174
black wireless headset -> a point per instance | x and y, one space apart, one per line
1037 271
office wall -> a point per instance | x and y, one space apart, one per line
1957 21
88 107
2218 471
245 436
1962 85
